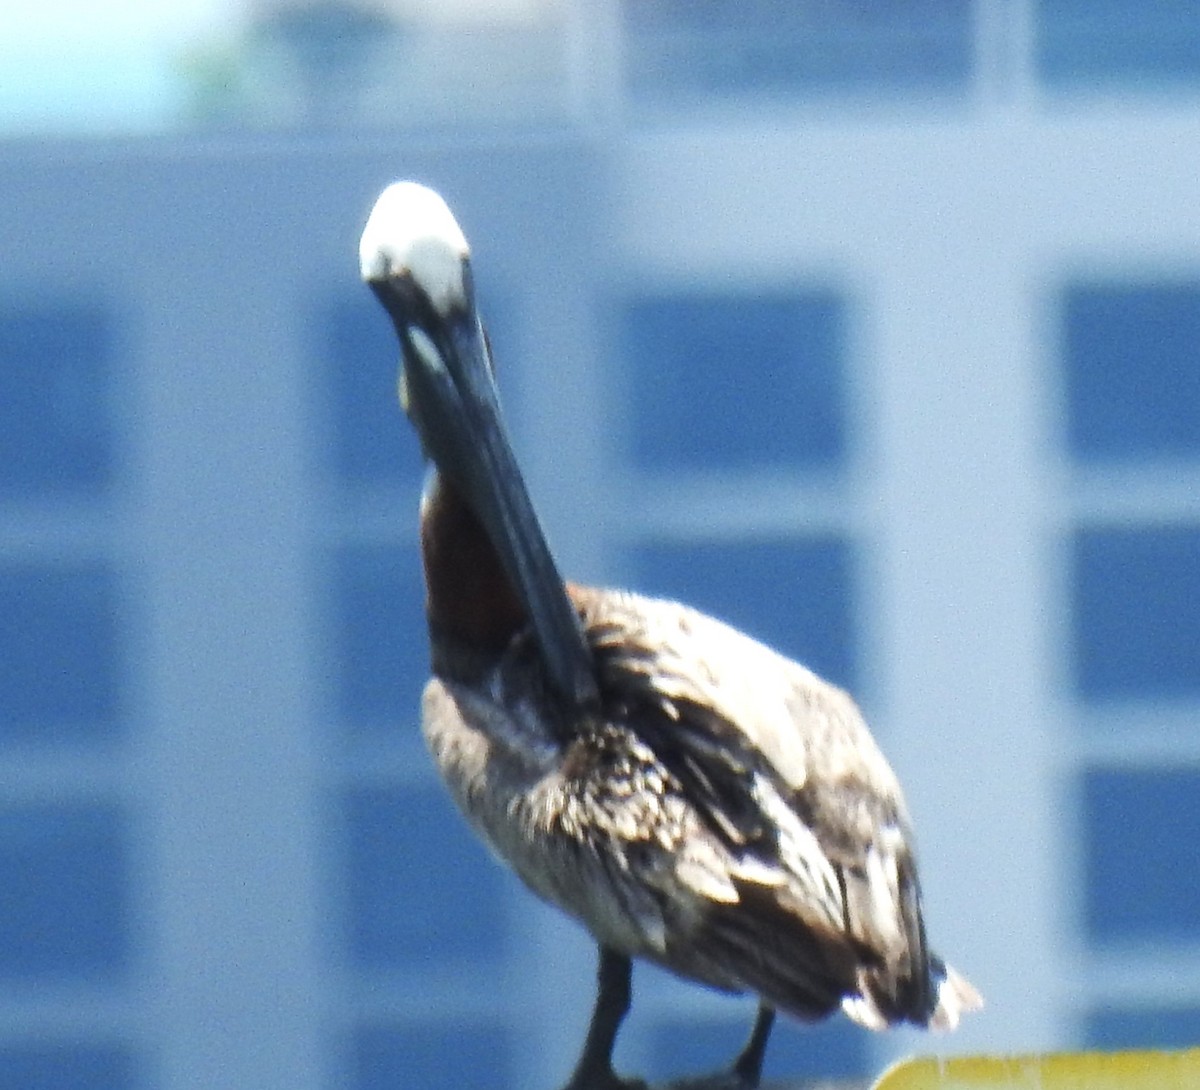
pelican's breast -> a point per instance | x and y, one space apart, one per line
554 817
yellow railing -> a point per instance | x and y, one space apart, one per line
1053 1071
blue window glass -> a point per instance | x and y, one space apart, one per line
41 1065
451 1056
679 47
60 653
379 639
1132 380
421 891
796 595
64 870
56 372
1136 612
1138 885
1112 1028
737 381
834 1049
1082 43
372 443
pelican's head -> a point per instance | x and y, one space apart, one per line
412 235
414 257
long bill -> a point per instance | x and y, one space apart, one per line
453 401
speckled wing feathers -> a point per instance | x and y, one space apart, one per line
723 811
784 775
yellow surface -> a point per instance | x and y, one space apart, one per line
1054 1071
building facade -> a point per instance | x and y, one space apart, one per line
892 364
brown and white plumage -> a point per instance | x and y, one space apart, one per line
691 796
725 813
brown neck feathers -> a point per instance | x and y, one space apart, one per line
469 596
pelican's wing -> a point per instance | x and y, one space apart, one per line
734 704
782 770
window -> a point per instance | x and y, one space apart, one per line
372 442
1140 881
451 1056
1112 1028
65 875
379 640
56 430
1132 370
358 348
44 1065
737 381
1143 43
60 645
834 1049
421 891
1136 612
797 596
690 47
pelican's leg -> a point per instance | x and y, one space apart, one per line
748 1066
594 1070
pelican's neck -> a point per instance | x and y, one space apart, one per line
469 596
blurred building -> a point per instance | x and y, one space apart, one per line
875 334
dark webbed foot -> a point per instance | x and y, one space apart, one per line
594 1070
603 1080
746 1071
718 1080
749 1064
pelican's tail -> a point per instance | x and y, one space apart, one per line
956 996
951 996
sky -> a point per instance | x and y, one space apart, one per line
69 66
75 65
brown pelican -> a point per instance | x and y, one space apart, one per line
689 795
